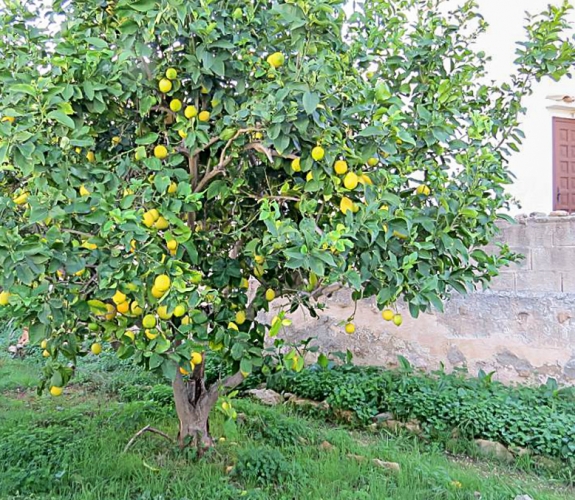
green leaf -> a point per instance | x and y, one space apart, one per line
62 118
140 5
155 361
310 102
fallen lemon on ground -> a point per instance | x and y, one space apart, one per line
349 328
56 391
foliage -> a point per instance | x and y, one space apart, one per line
540 419
266 467
119 199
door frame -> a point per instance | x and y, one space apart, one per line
555 166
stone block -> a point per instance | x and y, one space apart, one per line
553 259
568 281
528 235
505 282
564 234
538 281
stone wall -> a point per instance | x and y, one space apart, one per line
523 328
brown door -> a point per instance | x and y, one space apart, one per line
564 164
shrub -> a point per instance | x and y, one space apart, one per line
266 467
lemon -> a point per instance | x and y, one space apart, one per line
118 297
309 177
387 314
186 320
372 162
9 119
190 112
124 307
132 246
21 199
130 335
349 328
196 277
56 391
84 191
163 313
96 348
423 190
175 105
151 333
258 271
172 245
4 298
161 223
162 283
44 344
345 204
296 165
244 283
158 294
397 320
173 188
179 310
182 133
204 116
260 259
46 353
204 89
340 167
149 321
317 153
136 309
365 179
154 213
160 152
183 371
148 219
276 59
240 317
233 326
171 74
270 295
91 156
350 181
196 358
165 85
226 406
116 140
89 246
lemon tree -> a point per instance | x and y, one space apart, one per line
170 168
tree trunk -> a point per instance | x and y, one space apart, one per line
194 401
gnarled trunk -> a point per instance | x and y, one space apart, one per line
194 401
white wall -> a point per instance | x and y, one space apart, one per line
533 164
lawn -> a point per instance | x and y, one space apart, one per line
72 448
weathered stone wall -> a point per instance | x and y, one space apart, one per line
523 328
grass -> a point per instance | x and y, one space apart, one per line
71 448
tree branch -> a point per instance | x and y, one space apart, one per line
227 384
146 429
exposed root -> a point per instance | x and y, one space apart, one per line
146 429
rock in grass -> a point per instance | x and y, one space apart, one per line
392 466
266 396
327 446
494 449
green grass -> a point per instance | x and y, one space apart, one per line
71 448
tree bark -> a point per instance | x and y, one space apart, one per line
194 401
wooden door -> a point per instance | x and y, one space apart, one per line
564 164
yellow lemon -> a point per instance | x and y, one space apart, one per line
163 313
244 283
365 179
116 140
56 391
423 190
186 320
172 245
317 153
111 312
270 295
276 59
349 328
179 310
233 326
132 246
397 320
160 152
346 204
130 335
140 153
4 298
151 333
89 246
240 317
182 133
190 112
44 344
387 314
183 371
161 223
173 188
175 105
148 219
21 199
204 89
154 213
9 119
46 353
340 167
165 85
296 165
372 162
158 294
118 297
91 156
96 348
196 358
260 259
258 271
309 177
136 309
350 181
149 321
162 282
84 191
171 74
204 116
124 307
